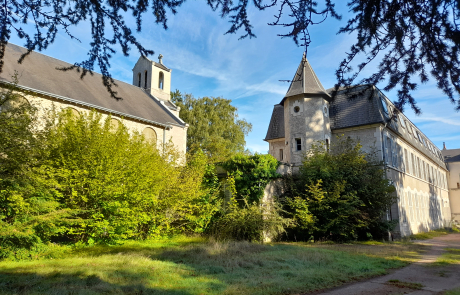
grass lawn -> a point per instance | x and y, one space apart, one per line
194 266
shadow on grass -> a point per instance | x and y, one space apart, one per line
205 268
75 283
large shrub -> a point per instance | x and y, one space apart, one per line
94 183
341 194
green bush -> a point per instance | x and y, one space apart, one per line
91 183
340 194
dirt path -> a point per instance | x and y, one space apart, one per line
435 279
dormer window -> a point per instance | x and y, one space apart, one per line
145 80
139 80
161 80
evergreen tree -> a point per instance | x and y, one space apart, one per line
411 38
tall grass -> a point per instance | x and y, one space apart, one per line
192 266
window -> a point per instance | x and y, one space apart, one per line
150 135
387 144
296 109
74 112
384 103
139 80
406 164
281 154
114 124
394 154
326 111
414 132
419 137
145 80
409 129
161 79
298 144
401 119
414 172
327 144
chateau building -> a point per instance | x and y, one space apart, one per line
413 163
145 105
452 159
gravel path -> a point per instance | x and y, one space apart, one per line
435 279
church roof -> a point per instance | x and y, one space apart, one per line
276 127
38 73
305 81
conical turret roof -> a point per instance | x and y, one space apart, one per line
305 81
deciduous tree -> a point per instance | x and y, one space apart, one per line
214 125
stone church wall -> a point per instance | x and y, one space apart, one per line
177 134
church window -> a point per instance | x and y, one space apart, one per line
161 80
298 144
296 109
74 113
139 78
114 124
281 154
150 135
17 101
145 80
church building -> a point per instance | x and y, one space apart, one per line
413 163
145 105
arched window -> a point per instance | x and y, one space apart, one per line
161 80
74 113
150 135
16 102
139 80
145 80
114 124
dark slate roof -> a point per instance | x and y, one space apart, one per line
39 73
452 155
276 127
345 112
361 105
305 81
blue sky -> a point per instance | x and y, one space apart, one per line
205 62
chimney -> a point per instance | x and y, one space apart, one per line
160 58
443 145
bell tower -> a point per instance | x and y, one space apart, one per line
153 76
306 113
